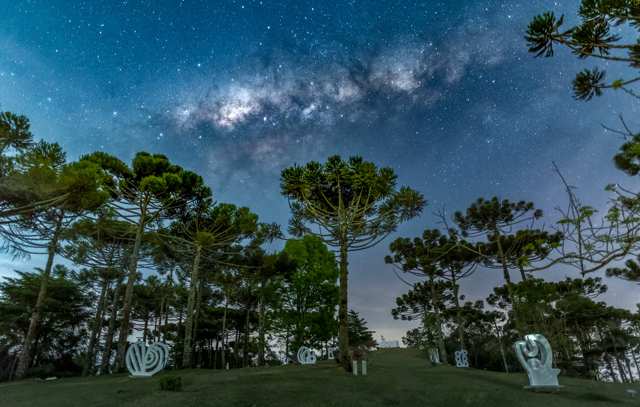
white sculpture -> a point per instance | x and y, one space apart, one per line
145 361
434 355
534 353
462 358
306 356
331 353
363 367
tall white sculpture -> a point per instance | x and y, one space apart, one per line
434 355
462 358
306 356
331 353
534 353
145 361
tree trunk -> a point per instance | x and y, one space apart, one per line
635 361
522 273
623 373
145 327
96 329
456 293
507 279
128 294
504 357
106 354
627 363
612 371
223 356
191 305
345 357
245 346
236 346
215 354
34 322
261 333
286 347
196 317
442 350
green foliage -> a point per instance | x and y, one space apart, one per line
353 200
592 38
494 214
359 333
630 271
423 300
171 383
589 83
354 204
309 292
628 158
541 33
15 132
503 248
151 177
64 312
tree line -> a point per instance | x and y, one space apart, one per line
589 337
148 252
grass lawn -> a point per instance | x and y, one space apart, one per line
396 378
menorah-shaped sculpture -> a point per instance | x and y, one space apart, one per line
306 356
462 358
534 353
145 361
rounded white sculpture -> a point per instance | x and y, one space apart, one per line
331 353
145 361
462 358
306 356
534 353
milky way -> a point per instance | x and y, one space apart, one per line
443 91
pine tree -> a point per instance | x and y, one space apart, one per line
355 205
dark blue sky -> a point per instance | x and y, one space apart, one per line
443 91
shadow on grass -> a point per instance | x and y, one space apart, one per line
598 397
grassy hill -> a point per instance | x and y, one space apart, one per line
396 378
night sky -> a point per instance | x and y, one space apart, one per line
442 91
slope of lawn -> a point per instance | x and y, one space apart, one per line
396 378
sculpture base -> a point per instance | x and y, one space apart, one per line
544 389
140 376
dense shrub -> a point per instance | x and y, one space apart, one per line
171 383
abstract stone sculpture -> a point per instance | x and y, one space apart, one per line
534 353
434 355
331 353
306 356
462 358
145 361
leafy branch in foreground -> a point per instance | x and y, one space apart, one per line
592 38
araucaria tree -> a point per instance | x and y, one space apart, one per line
206 232
40 230
427 301
592 38
495 220
437 257
145 194
353 205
